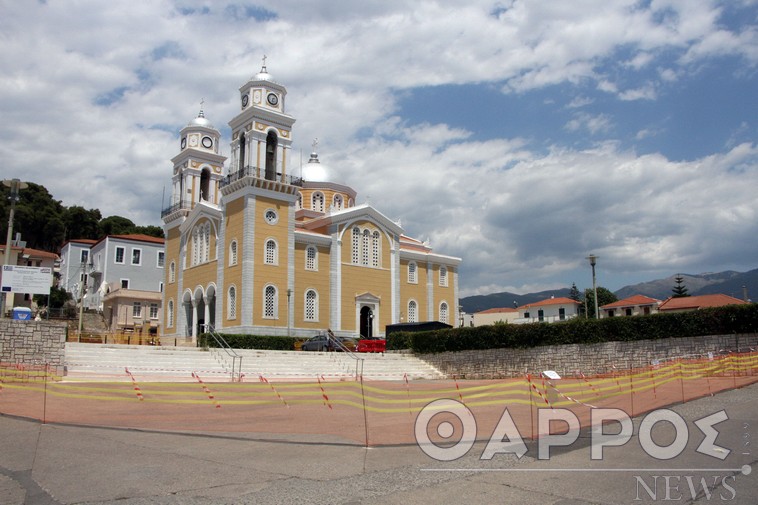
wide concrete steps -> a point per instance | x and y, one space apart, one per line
156 363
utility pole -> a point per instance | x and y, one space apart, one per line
593 262
16 185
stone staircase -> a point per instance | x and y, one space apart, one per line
158 363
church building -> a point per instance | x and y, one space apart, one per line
251 248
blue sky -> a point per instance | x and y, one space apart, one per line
518 135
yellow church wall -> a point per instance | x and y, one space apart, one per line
410 291
235 224
171 289
311 279
328 197
200 275
358 279
270 274
444 294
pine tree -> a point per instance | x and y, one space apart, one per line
574 293
680 290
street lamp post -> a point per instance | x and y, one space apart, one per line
289 324
16 185
593 262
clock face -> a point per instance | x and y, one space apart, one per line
272 99
271 217
207 142
245 98
184 142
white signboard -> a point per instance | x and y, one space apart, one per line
32 280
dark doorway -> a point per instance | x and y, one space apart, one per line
367 322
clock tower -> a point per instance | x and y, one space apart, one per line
198 167
261 132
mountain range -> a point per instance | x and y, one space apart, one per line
729 283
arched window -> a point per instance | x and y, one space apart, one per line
337 202
376 250
269 302
232 253
205 180
299 200
272 142
270 257
412 274
443 276
356 246
317 201
231 303
242 151
365 247
201 244
172 272
311 258
195 246
311 305
412 311
443 312
206 243
170 314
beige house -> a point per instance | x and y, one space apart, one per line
132 310
550 310
636 305
495 315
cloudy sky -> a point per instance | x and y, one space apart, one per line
519 135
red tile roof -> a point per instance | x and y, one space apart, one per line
36 253
497 310
140 237
699 302
552 301
632 301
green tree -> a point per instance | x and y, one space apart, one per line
679 290
604 297
58 297
116 225
82 223
39 217
150 230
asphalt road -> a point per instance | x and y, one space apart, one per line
60 464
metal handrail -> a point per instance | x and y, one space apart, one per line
339 345
223 344
258 173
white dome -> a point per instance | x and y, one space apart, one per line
314 171
200 120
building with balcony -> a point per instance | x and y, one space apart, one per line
252 249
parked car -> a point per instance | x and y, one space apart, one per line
317 343
321 343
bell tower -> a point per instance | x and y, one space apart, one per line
262 131
198 168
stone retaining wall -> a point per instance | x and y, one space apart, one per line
587 358
33 343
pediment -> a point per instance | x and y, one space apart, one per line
367 297
200 211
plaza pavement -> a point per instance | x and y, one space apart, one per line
50 464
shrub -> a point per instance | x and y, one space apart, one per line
272 343
713 321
